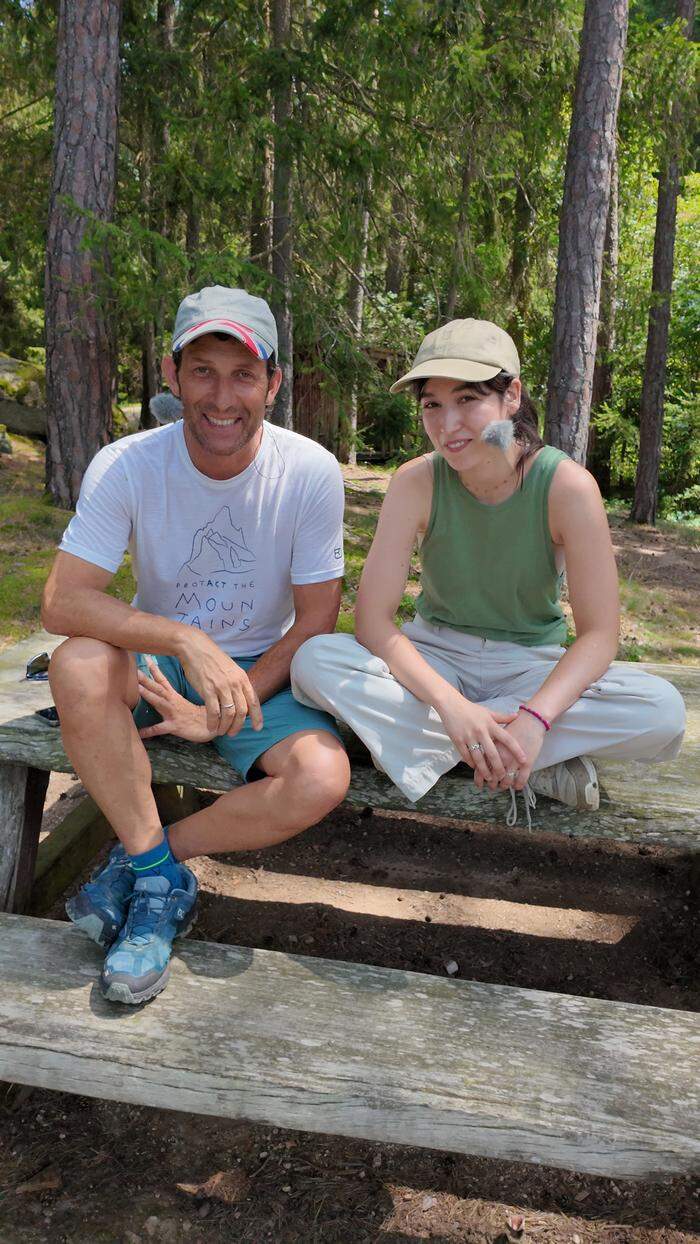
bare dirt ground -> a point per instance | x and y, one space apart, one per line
409 892
401 891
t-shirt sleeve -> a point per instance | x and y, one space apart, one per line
101 528
317 554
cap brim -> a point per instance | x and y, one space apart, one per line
232 328
449 369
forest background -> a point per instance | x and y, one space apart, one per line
373 172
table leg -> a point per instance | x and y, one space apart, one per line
22 794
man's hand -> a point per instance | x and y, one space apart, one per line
225 688
184 720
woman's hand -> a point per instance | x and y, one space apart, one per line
184 720
530 734
480 738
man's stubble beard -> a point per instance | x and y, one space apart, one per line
200 437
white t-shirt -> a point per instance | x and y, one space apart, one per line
220 555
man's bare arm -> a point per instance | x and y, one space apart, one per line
316 607
75 602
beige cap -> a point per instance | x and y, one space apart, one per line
463 350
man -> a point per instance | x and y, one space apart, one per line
235 529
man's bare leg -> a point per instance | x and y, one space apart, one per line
135 908
95 689
308 775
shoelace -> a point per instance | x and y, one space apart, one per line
530 801
144 914
118 875
123 879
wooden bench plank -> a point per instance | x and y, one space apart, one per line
341 1048
642 804
66 851
22 794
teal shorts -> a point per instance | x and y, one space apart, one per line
282 716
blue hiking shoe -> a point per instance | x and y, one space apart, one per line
137 966
101 906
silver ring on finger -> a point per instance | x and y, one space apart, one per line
224 706
511 773
475 747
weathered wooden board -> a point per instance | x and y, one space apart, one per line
66 851
22 792
342 1048
644 804
639 804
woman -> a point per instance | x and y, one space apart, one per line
481 673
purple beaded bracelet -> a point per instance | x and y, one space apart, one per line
533 713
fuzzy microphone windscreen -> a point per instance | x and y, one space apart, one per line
499 433
165 407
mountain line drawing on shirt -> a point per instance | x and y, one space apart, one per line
219 547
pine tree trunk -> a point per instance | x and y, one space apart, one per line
523 219
263 172
396 248
80 343
460 252
150 374
282 242
356 305
166 209
582 224
651 410
605 340
598 450
192 235
158 212
261 206
191 200
165 19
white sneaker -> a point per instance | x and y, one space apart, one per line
573 782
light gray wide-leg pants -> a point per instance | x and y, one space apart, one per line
625 715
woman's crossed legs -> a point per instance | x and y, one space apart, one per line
626 714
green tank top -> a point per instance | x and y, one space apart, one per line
489 570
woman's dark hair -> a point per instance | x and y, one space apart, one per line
525 420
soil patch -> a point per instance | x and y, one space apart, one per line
532 910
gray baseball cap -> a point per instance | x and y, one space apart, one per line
217 309
463 350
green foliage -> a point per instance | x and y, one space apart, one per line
393 429
617 422
684 506
448 121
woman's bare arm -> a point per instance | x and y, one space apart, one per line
405 512
579 524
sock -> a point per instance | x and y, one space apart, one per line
158 862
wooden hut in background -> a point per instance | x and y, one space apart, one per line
317 409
